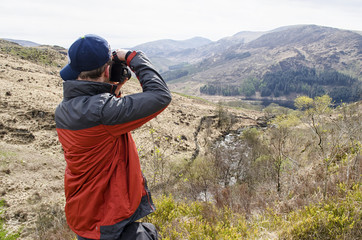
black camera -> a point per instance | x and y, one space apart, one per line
119 70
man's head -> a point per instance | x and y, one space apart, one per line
88 58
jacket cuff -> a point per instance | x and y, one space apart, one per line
130 57
127 54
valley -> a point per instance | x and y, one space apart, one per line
215 171
242 65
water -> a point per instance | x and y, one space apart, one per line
232 155
267 102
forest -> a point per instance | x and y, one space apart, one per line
304 81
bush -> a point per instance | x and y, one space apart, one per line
197 220
51 223
338 218
333 219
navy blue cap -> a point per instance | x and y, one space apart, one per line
87 53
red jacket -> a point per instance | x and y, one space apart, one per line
104 185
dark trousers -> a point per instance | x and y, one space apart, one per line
136 231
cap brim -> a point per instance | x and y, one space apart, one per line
67 73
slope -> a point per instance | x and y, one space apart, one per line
31 159
293 48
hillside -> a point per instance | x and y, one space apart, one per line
215 172
163 52
31 159
167 46
296 48
23 43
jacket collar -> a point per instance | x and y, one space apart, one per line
75 88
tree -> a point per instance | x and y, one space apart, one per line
225 119
248 87
348 122
303 103
156 157
200 179
331 133
278 136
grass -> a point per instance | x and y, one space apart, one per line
6 157
46 55
4 233
194 97
6 154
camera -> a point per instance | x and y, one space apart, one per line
119 70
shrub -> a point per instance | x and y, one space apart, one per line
332 219
197 220
51 223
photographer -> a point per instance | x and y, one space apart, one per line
104 187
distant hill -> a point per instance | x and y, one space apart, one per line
170 52
42 54
23 43
285 62
166 46
161 51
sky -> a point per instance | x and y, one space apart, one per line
129 23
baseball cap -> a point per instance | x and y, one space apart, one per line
85 54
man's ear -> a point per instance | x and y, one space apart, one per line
107 73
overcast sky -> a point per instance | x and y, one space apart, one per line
132 22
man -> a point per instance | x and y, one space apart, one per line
104 187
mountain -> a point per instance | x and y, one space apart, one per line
161 51
167 45
227 67
170 52
23 43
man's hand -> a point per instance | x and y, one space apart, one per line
118 91
121 54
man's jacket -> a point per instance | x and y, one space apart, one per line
104 185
